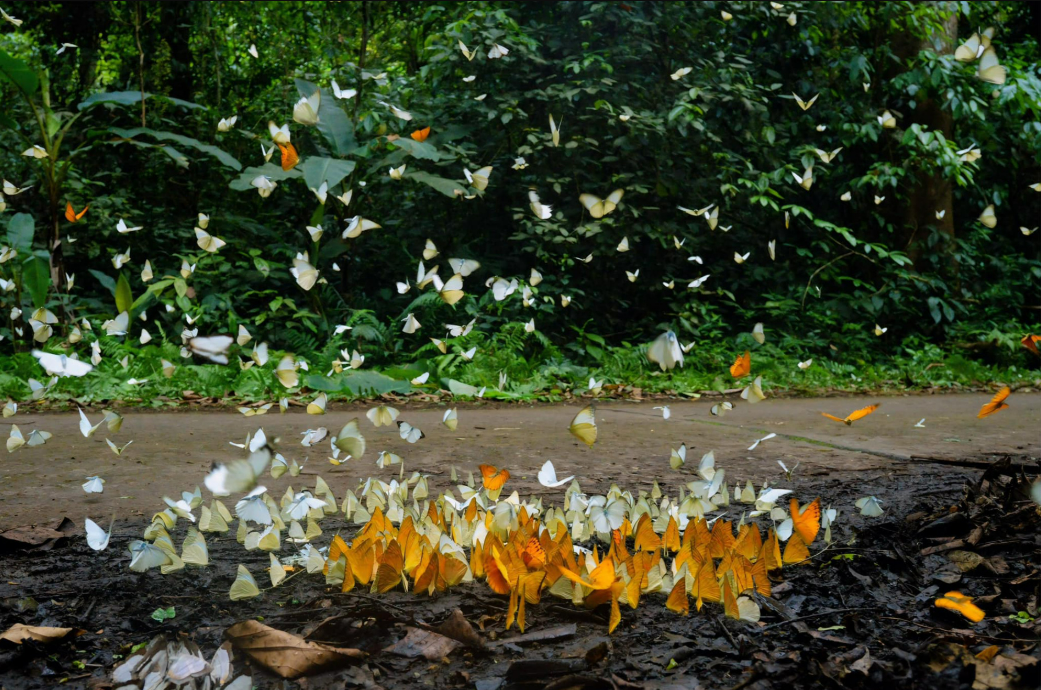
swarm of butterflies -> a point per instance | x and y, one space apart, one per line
592 549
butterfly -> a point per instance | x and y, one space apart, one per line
959 603
244 587
806 179
450 419
583 426
350 440
554 130
548 476
597 207
828 157
853 416
342 94
989 70
805 105
680 73
411 324
145 556
410 433
988 218
289 159
753 392
722 408
869 506
972 48
758 441
493 479
742 366
61 365
806 364
467 53
306 109
71 215
678 458
208 242
382 415
1030 342
116 449
421 135
98 538
887 120
497 51
479 178
996 404
665 351
771 247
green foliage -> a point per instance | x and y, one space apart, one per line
727 133
161 615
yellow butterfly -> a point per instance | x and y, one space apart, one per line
583 426
597 207
805 105
244 587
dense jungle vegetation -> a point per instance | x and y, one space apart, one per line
918 225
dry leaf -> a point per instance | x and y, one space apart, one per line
285 654
965 560
863 664
18 633
429 645
459 629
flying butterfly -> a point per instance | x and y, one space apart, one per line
996 404
597 207
583 426
70 213
852 416
421 135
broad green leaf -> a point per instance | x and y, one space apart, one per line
333 122
132 97
124 296
18 73
224 157
275 172
20 230
421 150
36 277
441 184
105 280
331 170
362 383
460 388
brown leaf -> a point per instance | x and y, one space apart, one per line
459 629
553 633
429 645
37 537
863 664
19 633
965 560
285 654
996 565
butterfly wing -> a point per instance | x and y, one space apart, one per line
996 404
831 416
583 426
861 413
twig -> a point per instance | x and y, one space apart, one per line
951 632
723 627
814 274
816 615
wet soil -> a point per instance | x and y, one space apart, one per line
860 614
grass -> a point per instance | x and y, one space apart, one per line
534 369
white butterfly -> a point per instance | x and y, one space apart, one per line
97 538
253 50
410 433
541 211
306 109
548 476
698 282
61 365
342 93
226 124
764 438
497 51
121 227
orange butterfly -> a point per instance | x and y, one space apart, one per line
289 156
534 555
72 216
421 135
853 416
677 600
806 522
1029 341
742 366
996 404
493 478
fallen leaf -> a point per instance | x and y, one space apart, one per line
539 635
863 664
965 560
429 645
36 537
458 628
19 633
285 654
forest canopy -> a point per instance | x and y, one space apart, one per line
852 176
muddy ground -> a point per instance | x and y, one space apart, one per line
874 581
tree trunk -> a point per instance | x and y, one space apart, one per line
931 193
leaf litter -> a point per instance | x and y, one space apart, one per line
861 612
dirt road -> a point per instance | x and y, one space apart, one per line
172 452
